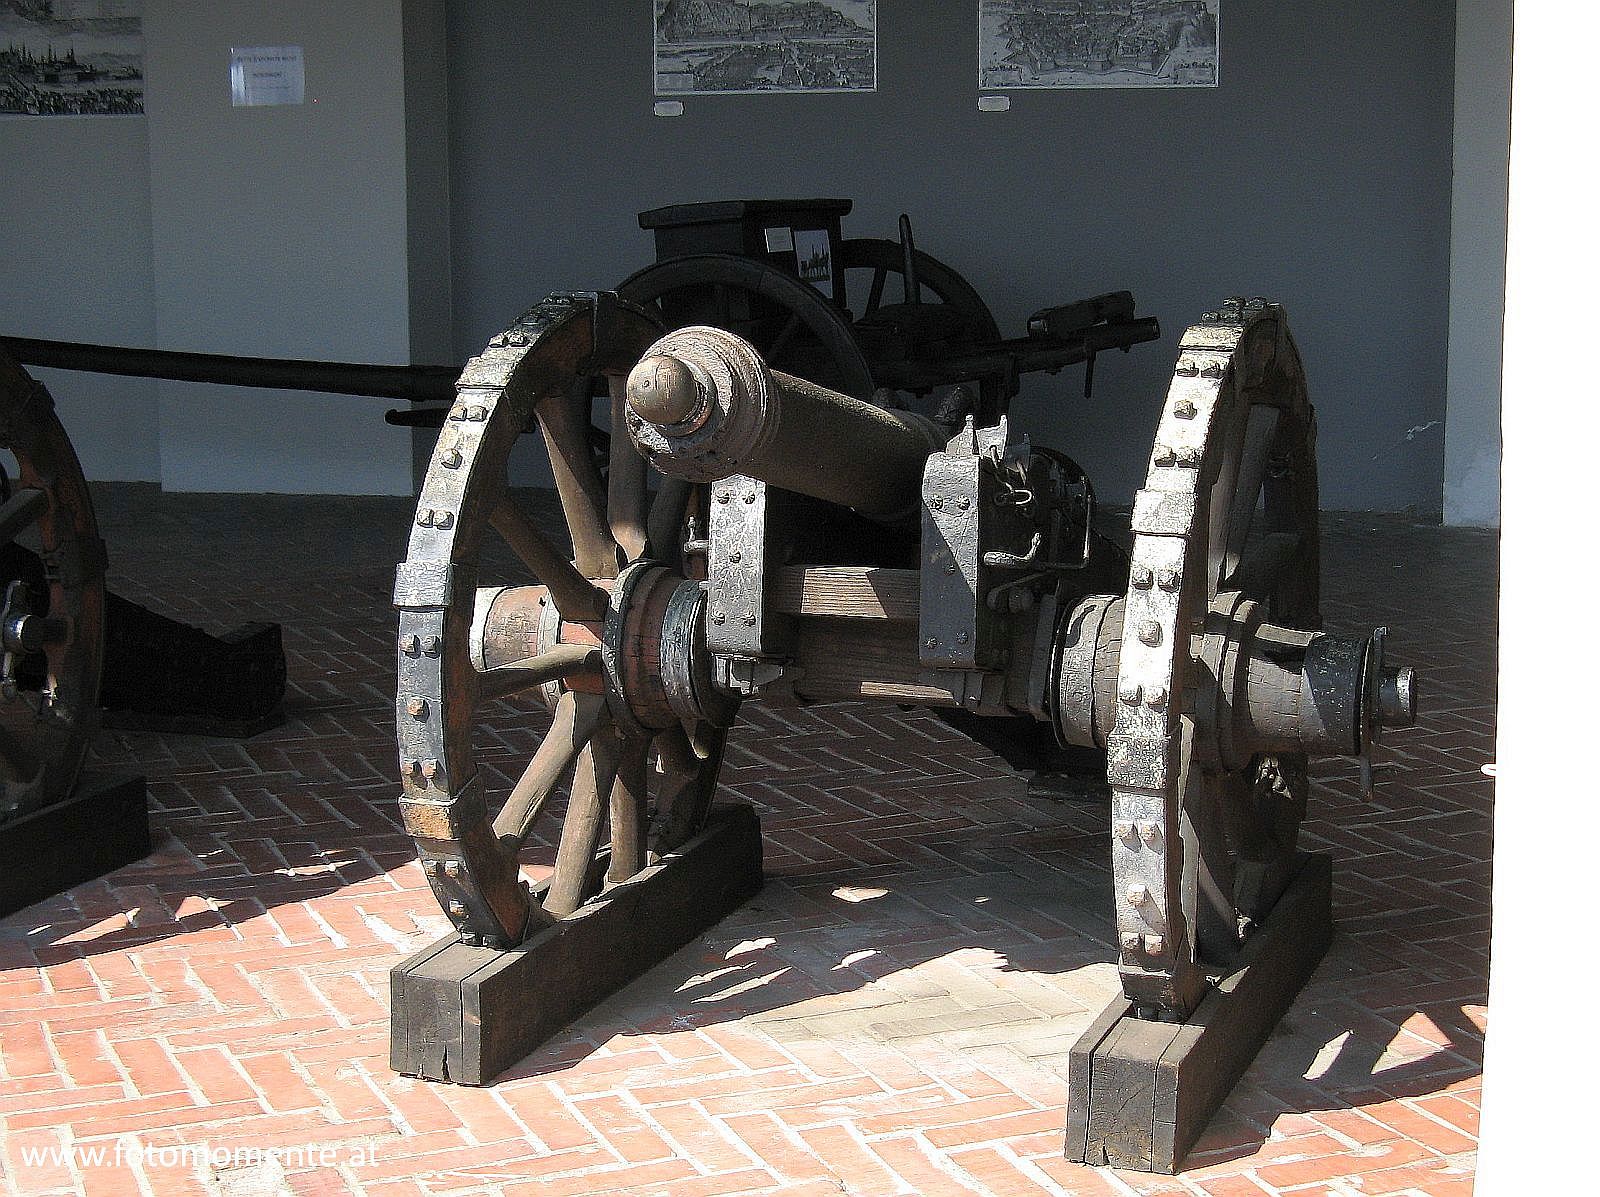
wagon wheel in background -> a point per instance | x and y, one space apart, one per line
938 313
796 329
1226 538
52 577
584 633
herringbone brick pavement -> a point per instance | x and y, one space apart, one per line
891 1015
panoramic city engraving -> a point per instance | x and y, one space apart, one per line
71 57
1097 43
729 47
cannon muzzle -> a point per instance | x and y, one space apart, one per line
702 405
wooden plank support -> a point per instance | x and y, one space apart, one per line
104 825
465 1014
1139 1093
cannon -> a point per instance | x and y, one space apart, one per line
690 577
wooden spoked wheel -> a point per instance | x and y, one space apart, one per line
582 630
52 578
1226 540
796 329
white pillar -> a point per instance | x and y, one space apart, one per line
1543 1050
1477 263
285 232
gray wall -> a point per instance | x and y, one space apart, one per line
75 266
1477 261
1318 173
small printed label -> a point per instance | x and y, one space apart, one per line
780 240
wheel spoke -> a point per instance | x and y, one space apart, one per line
21 510
564 421
780 342
630 803
575 596
627 479
880 275
580 830
576 718
1266 563
562 661
1261 430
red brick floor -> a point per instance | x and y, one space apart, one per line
891 1015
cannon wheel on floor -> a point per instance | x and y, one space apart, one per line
801 334
582 633
54 603
1225 537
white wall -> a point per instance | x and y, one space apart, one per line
75 266
279 232
1542 1053
1477 262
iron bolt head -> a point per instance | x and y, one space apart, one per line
722 496
1188 367
1155 944
951 568
1212 370
965 504
1122 829
412 769
736 556
417 707
451 459
457 909
1150 632
1137 894
477 414
432 646
411 645
1130 693
749 496
1149 832
749 619
1184 409
452 869
1155 696
1130 941
470 939
938 502
962 637
1143 577
1189 457
718 618
931 642
1164 455
430 769
1168 579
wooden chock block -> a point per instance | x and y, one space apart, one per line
1139 1093
466 1014
103 825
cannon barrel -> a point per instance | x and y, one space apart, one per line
702 405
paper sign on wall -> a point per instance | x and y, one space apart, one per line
268 75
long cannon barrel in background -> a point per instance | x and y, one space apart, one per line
413 384
703 405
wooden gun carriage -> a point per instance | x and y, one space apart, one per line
688 576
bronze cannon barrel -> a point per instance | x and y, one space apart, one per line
702 405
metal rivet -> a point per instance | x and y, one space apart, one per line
962 637
736 556
1184 409
410 645
1122 829
1137 894
1130 941
1213 370
965 504
1156 696
1189 458
430 769
1188 367
1150 632
1168 579
750 496
722 496
718 618
749 619
1164 456
432 646
1148 832
417 707
457 909
1143 577
451 459
1130 693
1155 944
931 642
